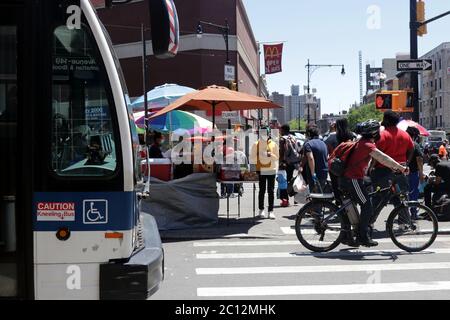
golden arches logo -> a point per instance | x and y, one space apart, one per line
272 52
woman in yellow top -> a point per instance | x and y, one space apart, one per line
265 154
443 154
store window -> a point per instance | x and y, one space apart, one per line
82 129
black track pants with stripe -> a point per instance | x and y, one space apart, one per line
355 188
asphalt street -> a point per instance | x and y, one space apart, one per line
263 260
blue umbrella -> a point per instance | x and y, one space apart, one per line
161 97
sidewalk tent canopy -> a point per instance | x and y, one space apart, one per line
217 98
161 97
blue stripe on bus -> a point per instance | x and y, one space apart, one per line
84 211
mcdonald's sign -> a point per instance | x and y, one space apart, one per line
273 56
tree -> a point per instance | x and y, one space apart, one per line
363 113
294 124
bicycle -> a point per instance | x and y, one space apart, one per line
409 221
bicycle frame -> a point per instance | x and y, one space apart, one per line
380 207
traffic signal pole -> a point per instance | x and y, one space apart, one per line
414 26
414 29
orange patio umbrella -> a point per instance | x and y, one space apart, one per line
218 98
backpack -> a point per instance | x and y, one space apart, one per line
337 162
292 150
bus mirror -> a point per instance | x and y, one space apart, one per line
164 28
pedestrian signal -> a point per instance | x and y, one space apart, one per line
395 100
384 101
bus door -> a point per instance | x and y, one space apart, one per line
12 199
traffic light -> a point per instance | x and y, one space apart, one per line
421 31
410 99
383 101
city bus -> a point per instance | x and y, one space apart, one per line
70 184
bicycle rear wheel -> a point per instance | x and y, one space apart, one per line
412 227
313 232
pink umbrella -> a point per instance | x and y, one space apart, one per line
404 124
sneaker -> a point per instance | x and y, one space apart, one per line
284 204
350 242
262 214
368 242
272 215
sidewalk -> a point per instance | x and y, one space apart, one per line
243 227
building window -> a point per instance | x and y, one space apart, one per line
440 102
440 83
440 63
436 121
440 121
436 103
431 83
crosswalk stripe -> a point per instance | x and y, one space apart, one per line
261 255
263 243
290 230
324 269
324 289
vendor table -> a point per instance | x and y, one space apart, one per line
239 197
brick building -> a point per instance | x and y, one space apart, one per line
201 60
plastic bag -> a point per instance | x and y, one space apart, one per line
299 184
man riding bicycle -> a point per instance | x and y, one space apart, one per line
353 179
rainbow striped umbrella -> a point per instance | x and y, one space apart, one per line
175 120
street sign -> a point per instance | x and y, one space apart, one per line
230 73
310 99
230 115
415 65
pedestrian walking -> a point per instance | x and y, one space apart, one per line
343 134
315 161
265 154
331 140
443 154
283 185
415 163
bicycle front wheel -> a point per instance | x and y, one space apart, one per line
318 227
412 227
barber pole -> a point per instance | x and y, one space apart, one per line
174 29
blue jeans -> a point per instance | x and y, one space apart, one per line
414 182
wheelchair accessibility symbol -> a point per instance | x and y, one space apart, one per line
95 211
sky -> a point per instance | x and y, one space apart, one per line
333 32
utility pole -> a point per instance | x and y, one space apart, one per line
317 66
414 26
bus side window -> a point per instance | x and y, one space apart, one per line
82 128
